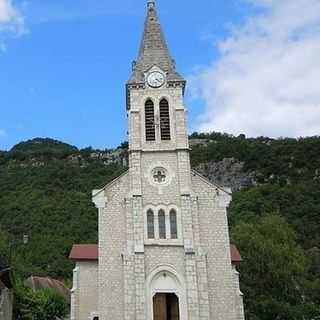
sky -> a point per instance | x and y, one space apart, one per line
252 66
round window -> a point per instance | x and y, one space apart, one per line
159 175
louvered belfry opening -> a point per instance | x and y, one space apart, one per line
165 120
150 123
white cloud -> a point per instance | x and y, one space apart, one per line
11 20
267 78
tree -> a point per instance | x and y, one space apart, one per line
273 271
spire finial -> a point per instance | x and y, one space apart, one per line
151 3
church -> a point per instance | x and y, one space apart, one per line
164 251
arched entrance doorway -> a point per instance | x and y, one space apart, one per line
166 295
166 307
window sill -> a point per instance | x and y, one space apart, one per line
163 243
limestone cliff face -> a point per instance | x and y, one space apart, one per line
227 173
283 161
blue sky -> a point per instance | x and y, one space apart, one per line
65 77
64 64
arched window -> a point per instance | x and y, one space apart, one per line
164 120
150 224
162 224
149 121
173 224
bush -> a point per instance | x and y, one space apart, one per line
44 304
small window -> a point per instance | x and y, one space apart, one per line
173 224
96 318
162 224
149 121
150 224
165 120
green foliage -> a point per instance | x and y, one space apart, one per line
41 305
281 161
52 204
40 146
299 203
45 192
273 268
280 279
4 247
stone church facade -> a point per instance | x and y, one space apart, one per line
164 251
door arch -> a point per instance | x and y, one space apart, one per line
164 286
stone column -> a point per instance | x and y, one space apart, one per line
201 263
187 222
139 267
135 172
192 286
140 284
129 265
190 258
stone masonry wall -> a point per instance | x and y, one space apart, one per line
86 292
112 246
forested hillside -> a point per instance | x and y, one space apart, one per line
45 193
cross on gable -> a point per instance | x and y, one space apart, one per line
159 176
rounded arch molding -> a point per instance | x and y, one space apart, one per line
165 279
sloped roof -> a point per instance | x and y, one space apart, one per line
84 252
153 50
212 184
235 254
90 252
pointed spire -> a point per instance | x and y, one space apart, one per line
153 49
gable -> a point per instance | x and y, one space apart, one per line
100 196
204 181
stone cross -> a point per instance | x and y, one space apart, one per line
159 177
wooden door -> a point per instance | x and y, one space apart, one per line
173 307
160 307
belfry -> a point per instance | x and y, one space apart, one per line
164 251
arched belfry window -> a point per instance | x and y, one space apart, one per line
173 224
150 224
165 120
162 224
149 121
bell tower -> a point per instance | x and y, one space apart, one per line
156 113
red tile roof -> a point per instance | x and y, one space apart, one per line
84 252
89 252
235 255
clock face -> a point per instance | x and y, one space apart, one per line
156 79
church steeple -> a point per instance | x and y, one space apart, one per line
153 50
